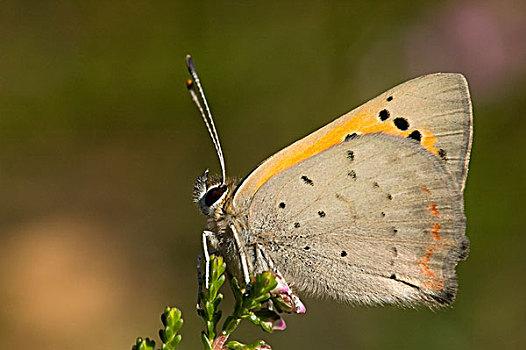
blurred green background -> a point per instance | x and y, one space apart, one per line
100 145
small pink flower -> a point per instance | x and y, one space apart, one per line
300 307
282 287
279 324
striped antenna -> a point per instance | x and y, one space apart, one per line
205 112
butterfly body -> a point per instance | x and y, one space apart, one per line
368 209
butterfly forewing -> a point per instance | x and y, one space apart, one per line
437 109
432 110
374 219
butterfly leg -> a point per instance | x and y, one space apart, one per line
199 281
287 299
206 256
205 236
242 255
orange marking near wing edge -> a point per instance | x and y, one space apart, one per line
434 209
426 270
365 122
425 260
428 141
426 190
436 235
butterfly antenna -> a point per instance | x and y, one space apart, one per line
205 112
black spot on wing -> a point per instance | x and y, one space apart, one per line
352 174
415 135
390 98
384 115
350 155
307 180
401 123
350 136
297 225
321 213
343 253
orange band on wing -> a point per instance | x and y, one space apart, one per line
362 123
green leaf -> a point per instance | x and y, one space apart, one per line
144 344
231 324
265 325
173 344
259 345
206 342
209 309
235 345
172 321
218 300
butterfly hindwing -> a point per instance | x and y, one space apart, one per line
374 219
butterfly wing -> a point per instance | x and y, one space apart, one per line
434 110
374 219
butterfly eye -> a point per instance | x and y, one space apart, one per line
214 194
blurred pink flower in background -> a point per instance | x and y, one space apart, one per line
485 40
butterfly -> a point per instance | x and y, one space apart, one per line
368 209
